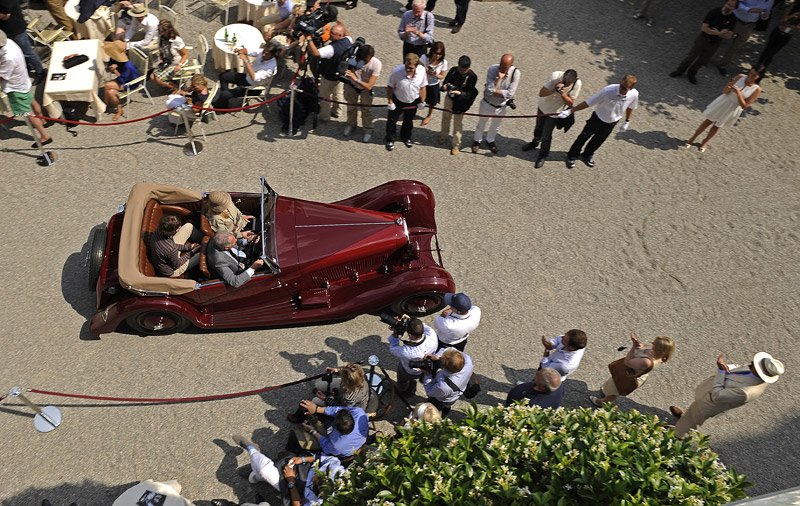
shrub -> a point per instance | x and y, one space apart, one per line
521 455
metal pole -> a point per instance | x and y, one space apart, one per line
46 419
193 147
292 91
47 158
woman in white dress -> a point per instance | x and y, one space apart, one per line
737 96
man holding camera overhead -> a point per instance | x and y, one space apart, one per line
446 378
330 87
411 340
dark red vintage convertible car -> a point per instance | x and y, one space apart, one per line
371 253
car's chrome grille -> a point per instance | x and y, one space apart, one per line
361 266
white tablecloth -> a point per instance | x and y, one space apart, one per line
246 36
253 10
96 27
82 82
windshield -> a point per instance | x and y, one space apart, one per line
268 240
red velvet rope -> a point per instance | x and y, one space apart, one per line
175 400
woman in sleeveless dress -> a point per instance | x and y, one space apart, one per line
737 96
640 360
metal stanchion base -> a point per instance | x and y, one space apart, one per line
47 159
51 422
193 148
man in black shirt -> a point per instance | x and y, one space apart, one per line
13 23
459 85
717 25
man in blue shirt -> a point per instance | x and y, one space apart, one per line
545 390
348 433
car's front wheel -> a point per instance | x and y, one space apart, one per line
419 304
94 257
159 323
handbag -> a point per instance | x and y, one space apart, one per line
623 379
74 60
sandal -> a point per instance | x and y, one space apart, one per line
687 145
117 115
703 148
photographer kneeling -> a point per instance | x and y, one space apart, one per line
348 389
446 386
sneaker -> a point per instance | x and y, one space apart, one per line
408 143
284 132
455 151
723 71
570 163
692 79
367 137
638 15
531 145
242 441
348 130
676 411
390 146
476 146
297 133
456 29
539 163
402 10
651 21
675 73
588 161
493 147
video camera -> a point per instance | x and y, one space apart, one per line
399 325
426 364
311 23
350 60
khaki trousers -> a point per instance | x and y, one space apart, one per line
458 123
56 9
355 97
331 90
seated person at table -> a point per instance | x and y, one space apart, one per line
135 21
172 53
120 72
195 95
15 82
168 242
228 260
224 216
276 22
256 73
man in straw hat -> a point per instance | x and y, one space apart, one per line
730 388
136 18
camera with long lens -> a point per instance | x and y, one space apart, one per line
350 60
399 325
327 377
426 364
311 23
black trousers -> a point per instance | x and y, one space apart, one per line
777 39
459 346
417 49
701 52
443 406
405 110
596 131
462 6
224 95
429 5
543 132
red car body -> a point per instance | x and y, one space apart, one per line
374 252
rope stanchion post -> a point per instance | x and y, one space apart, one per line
47 419
193 147
47 158
292 91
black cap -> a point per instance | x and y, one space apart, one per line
464 62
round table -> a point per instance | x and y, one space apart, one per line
96 27
247 36
253 10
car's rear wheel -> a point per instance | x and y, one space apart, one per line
419 304
158 323
94 258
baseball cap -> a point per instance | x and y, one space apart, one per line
458 301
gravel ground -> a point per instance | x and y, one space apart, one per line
700 247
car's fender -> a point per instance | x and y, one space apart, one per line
108 319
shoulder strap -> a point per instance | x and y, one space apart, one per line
452 385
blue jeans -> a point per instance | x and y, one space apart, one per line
31 58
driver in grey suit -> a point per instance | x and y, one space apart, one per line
227 259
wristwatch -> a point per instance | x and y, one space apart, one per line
289 484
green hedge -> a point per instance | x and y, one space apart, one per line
527 456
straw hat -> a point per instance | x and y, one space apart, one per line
219 201
116 50
138 11
767 368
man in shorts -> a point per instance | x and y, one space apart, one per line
14 81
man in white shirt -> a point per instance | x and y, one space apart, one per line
448 384
14 81
455 324
257 73
405 91
137 19
557 93
420 340
501 85
610 103
564 353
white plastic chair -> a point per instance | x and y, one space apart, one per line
222 5
48 35
142 64
165 13
198 118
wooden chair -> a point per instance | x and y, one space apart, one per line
142 64
47 35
